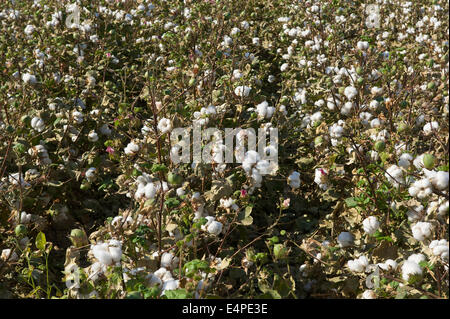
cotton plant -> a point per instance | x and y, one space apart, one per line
362 163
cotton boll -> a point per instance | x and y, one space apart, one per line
358 265
215 228
371 225
115 250
394 175
440 248
417 258
376 90
28 78
149 190
37 124
405 160
168 260
410 270
443 209
164 125
161 272
180 191
93 136
29 29
321 178
421 230
25 218
421 189
261 109
131 149
294 180
242 91
170 285
350 92
347 108
345 239
389 265
440 180
101 253
430 127
91 174
284 67
9 255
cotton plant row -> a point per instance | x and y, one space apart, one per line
93 93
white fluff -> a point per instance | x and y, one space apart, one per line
164 125
345 239
350 92
371 225
440 248
358 265
410 268
421 230
131 149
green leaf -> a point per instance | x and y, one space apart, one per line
351 202
41 241
178 294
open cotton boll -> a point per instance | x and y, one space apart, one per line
410 269
131 149
345 239
37 124
101 253
242 91
347 108
215 227
91 174
362 45
321 178
170 285
430 127
29 29
164 125
28 78
9 255
394 175
421 230
25 218
371 225
405 160
294 179
421 189
440 248
358 265
350 92
389 265
261 109
93 136
376 90
438 179
149 190
168 260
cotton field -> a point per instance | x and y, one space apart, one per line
203 149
